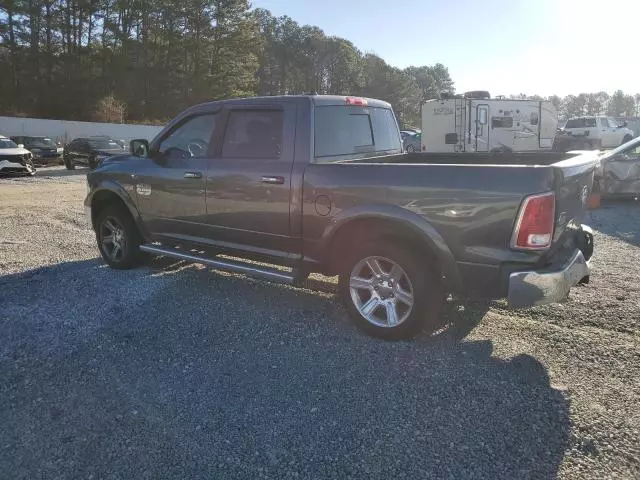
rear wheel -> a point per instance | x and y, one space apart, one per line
627 138
410 148
118 238
389 291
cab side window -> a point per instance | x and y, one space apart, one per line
253 134
605 122
633 153
191 139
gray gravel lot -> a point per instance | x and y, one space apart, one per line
176 371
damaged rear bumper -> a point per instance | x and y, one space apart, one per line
540 287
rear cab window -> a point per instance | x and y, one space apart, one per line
348 132
581 122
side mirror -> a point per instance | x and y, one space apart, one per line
139 148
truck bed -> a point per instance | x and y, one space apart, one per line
470 200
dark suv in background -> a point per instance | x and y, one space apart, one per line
90 151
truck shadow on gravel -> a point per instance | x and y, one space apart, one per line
175 371
61 172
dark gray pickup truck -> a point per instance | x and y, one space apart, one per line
320 184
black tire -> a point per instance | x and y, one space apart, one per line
424 282
627 138
410 148
69 163
128 238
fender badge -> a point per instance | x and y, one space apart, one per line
143 189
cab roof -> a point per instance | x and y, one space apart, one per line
318 100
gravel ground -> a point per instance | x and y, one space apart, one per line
176 371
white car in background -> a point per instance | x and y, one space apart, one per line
604 129
15 159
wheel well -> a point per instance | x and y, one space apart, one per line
104 199
357 232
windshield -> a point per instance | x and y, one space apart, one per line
104 143
39 142
6 143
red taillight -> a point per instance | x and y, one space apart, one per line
356 101
536 220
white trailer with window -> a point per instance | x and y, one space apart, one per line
477 123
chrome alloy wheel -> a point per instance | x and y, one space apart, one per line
381 291
112 239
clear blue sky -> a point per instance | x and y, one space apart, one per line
519 46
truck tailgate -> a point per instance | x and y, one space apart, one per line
573 182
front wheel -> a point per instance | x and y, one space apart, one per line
389 291
68 163
118 238
627 138
410 149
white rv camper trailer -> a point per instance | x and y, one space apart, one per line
477 123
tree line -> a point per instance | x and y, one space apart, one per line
619 104
146 60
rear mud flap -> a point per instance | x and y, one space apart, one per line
586 247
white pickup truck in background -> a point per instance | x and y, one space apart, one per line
604 130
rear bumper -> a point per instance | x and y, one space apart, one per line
540 287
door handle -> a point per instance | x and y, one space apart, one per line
192 175
273 180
